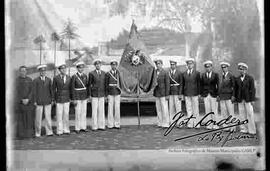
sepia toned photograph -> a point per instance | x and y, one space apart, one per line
135 85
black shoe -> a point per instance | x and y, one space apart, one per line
117 128
66 133
58 134
77 132
50 135
101 129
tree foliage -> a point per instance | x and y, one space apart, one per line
69 31
39 39
55 37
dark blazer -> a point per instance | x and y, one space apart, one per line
245 90
112 90
226 86
209 86
162 88
61 90
76 84
42 91
96 84
24 88
177 76
191 83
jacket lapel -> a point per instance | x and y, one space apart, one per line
245 81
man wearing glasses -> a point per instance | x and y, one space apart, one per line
245 96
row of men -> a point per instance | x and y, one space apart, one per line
212 87
172 85
42 93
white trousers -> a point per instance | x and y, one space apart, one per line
48 120
98 115
113 111
211 105
62 115
162 111
192 106
246 112
80 115
174 106
226 109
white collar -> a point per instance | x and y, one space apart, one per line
173 71
243 77
226 73
80 74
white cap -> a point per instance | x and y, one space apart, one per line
190 60
158 60
224 63
61 65
243 64
173 61
96 60
114 61
41 66
79 63
208 62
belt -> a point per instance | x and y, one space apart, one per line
112 84
175 84
80 88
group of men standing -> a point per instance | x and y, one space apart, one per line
39 95
43 92
211 87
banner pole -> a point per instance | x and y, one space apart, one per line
138 102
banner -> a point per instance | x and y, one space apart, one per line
137 70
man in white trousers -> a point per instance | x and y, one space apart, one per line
61 89
112 81
245 97
161 92
43 98
97 93
79 97
191 92
209 91
175 90
226 93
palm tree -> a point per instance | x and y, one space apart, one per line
38 41
69 33
55 37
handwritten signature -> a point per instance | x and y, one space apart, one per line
217 133
222 138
